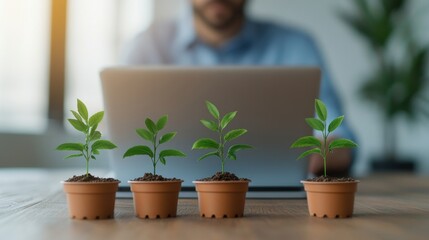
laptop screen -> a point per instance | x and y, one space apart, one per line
272 104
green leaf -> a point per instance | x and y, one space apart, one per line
96 118
74 156
95 136
308 152
103 144
160 124
205 143
335 123
233 134
308 141
78 125
145 134
71 147
83 111
393 6
77 116
215 153
93 157
162 160
227 119
357 24
93 128
171 153
210 125
235 148
342 143
315 123
95 151
167 137
151 126
212 109
138 150
321 110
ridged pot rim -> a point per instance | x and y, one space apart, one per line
153 182
89 183
220 182
329 183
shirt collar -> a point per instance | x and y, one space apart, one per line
186 37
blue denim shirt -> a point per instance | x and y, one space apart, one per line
258 43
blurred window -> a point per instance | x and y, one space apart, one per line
96 32
24 60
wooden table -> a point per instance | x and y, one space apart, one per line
33 206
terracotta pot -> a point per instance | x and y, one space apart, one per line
155 199
221 199
330 199
91 200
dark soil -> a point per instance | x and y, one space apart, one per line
151 177
90 178
330 179
226 176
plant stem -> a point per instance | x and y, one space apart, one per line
154 154
87 155
221 147
325 148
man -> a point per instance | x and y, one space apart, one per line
217 32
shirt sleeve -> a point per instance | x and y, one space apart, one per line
328 94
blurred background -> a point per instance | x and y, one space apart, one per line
51 52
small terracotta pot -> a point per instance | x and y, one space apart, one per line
330 199
221 199
91 200
155 199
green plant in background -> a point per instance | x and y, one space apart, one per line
88 126
397 85
219 125
151 134
322 147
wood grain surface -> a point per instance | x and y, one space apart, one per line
33 206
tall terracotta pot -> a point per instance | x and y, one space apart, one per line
155 199
91 200
221 199
330 199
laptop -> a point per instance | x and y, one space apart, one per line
272 103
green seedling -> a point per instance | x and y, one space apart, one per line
88 126
322 147
151 134
218 125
